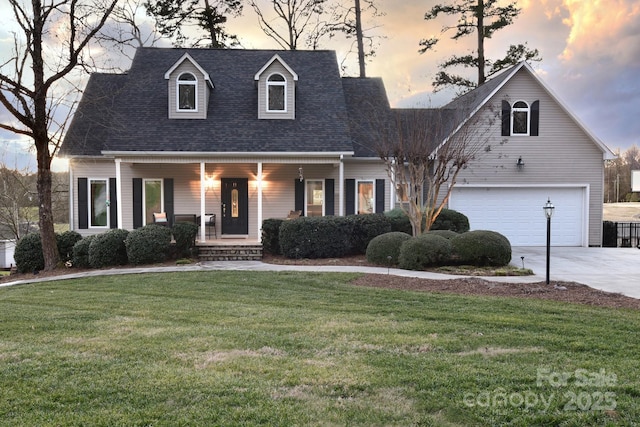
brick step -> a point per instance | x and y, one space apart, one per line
230 252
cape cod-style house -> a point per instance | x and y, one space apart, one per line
247 135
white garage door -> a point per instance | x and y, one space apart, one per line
517 213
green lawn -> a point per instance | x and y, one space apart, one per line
255 348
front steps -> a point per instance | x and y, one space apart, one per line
214 251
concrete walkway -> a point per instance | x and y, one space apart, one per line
609 269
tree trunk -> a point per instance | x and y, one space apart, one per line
359 40
480 17
41 142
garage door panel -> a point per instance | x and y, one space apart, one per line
517 213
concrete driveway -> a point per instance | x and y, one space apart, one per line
608 269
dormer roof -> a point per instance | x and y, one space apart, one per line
276 57
187 57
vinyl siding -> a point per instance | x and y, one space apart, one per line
202 93
563 154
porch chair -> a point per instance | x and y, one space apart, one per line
294 214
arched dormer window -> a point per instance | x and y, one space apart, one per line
276 93
187 92
521 117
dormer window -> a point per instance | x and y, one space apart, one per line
187 93
276 93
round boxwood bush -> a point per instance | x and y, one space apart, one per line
184 234
108 249
28 254
482 248
65 242
81 252
385 248
423 251
451 220
447 234
149 244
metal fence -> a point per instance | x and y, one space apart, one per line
628 234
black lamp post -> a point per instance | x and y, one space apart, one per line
548 212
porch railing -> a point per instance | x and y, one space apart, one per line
627 234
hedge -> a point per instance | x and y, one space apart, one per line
149 244
28 254
81 252
316 237
184 234
270 235
108 249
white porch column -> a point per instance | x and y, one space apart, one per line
392 200
202 202
259 199
341 186
118 193
71 199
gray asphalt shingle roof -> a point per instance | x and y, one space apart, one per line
135 118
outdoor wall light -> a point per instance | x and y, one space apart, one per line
520 163
300 174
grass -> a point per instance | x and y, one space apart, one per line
258 348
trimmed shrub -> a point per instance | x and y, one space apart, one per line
81 252
482 247
447 234
148 245
184 234
270 235
365 228
65 242
28 254
399 221
609 234
451 220
315 237
386 245
108 249
423 251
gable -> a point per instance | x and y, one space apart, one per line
187 74
276 80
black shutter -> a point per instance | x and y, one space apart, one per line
350 196
113 204
506 118
379 195
299 196
83 204
137 202
535 118
168 199
329 197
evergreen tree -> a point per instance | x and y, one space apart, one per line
483 17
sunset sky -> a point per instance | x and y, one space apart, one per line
590 51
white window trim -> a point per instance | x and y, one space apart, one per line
520 110
193 83
373 195
277 83
144 198
90 198
306 194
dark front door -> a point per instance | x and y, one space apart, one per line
235 206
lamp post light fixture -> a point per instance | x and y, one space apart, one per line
548 213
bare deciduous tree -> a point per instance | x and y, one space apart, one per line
34 82
18 211
424 151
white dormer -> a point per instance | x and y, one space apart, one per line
189 89
276 90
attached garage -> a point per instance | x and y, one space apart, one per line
517 212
